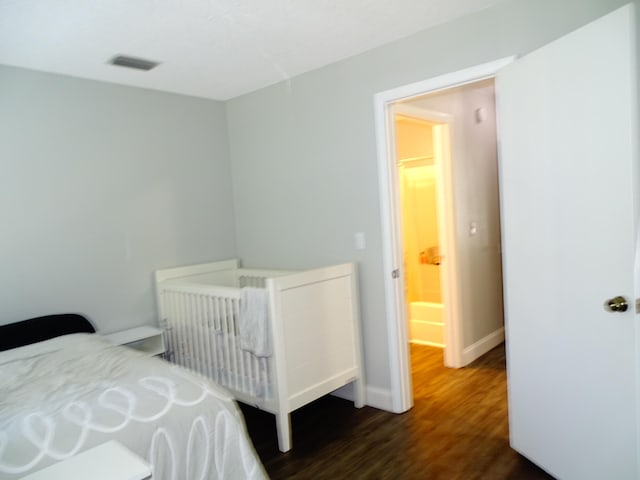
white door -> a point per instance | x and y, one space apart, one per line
569 185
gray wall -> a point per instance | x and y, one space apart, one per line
303 152
100 185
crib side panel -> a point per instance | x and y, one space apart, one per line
201 332
318 312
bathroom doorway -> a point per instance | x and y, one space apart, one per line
422 154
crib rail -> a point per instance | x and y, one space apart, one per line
201 334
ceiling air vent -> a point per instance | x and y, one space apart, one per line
132 62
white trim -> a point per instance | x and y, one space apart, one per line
401 389
449 279
482 346
375 397
400 374
380 398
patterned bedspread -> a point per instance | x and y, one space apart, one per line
71 393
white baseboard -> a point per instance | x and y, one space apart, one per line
379 398
375 397
482 346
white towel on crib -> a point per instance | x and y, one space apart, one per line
253 326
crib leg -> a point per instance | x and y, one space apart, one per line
283 425
359 395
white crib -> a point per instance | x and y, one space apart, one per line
313 321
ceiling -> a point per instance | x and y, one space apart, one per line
215 49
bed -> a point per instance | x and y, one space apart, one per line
63 395
275 339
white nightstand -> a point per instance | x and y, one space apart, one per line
144 339
109 461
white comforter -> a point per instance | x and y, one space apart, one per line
68 394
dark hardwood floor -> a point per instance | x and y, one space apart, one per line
456 430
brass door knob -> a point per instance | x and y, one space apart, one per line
617 304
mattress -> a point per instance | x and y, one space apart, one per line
68 394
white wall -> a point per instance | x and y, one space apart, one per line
474 166
100 185
303 151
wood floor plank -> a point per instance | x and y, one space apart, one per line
457 429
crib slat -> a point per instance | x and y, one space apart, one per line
188 325
177 353
228 345
242 381
185 344
207 337
201 331
233 342
219 357
195 324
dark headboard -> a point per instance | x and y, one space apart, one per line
39 329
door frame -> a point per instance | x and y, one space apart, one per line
446 234
398 338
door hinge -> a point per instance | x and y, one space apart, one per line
395 273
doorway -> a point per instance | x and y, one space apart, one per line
453 281
474 249
422 140
419 187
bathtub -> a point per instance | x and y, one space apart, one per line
426 323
